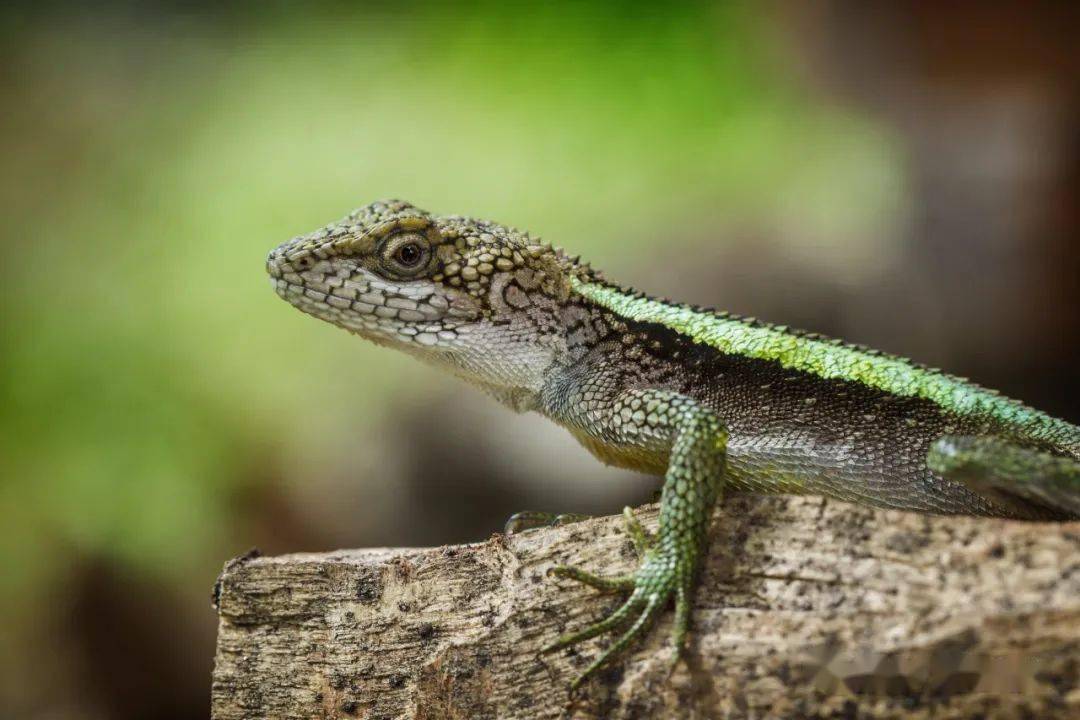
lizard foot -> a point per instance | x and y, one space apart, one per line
663 574
532 519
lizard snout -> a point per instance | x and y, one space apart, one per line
290 257
273 263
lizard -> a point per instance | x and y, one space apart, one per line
708 400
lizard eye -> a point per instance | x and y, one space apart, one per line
409 254
406 254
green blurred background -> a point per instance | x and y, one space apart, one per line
903 174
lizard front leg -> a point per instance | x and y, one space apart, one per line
697 444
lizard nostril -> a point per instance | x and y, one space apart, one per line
273 264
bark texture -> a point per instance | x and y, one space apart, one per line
807 608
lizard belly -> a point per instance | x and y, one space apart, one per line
790 464
794 464
798 465
649 460
755 464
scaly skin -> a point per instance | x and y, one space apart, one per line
707 400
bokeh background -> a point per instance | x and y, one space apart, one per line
902 174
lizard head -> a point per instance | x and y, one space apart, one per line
481 298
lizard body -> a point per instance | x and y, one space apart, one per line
708 400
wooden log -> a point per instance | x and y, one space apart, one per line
807 609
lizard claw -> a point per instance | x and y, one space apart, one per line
603 584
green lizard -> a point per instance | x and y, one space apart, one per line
708 400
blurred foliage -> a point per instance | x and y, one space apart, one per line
152 158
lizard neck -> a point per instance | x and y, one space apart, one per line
537 330
511 366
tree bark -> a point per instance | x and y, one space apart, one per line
806 608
